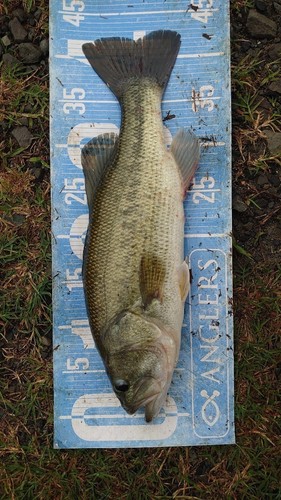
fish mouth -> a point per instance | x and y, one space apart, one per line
151 404
152 397
153 407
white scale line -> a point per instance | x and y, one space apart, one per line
83 371
204 54
91 417
213 98
93 101
199 235
206 235
134 13
189 216
101 371
204 144
204 190
212 143
78 283
180 56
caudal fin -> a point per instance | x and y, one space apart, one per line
117 60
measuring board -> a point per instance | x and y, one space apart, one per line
199 408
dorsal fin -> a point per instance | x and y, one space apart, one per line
97 155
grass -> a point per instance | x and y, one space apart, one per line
29 467
240 5
254 111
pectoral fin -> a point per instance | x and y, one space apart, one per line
97 155
184 280
186 151
152 276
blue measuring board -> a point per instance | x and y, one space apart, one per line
199 407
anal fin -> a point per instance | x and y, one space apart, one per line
97 155
186 151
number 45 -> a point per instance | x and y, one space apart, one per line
202 98
202 12
74 6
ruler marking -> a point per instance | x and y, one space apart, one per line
137 13
180 56
95 101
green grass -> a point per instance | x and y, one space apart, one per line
30 100
29 467
254 110
241 5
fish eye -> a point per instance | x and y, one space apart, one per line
121 385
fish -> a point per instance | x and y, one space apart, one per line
135 276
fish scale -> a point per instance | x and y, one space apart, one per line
136 216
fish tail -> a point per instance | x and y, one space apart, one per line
117 60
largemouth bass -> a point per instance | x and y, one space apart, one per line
135 277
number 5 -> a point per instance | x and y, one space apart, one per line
73 3
80 93
75 366
201 3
